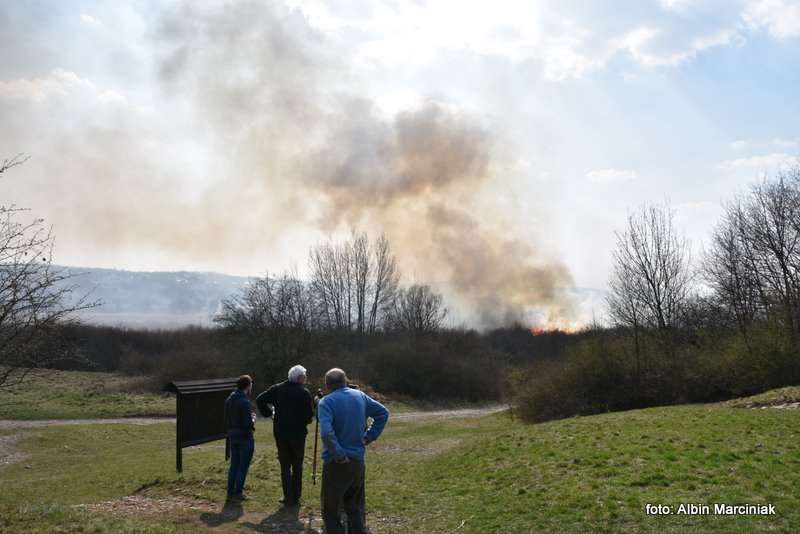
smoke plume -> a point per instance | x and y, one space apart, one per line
268 112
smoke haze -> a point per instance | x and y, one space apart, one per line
271 122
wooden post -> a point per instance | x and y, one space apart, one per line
179 437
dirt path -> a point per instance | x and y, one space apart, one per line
466 413
9 423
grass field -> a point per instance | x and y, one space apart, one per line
77 395
430 475
84 395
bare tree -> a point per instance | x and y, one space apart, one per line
418 309
276 315
729 269
651 271
651 280
9 163
754 261
353 282
330 285
386 279
627 310
361 271
34 296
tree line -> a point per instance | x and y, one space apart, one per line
725 325
352 298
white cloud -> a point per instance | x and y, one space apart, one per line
607 176
566 42
90 20
57 83
642 47
762 163
781 18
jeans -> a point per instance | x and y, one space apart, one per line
241 454
343 487
290 454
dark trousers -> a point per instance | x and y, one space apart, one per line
343 488
241 454
290 455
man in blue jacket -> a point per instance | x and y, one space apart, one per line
343 417
240 422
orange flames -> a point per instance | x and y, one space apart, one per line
556 326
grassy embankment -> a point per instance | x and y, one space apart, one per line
77 395
467 475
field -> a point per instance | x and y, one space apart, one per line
77 395
85 395
427 474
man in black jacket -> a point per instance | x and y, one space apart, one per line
240 424
293 412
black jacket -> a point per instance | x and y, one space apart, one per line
294 409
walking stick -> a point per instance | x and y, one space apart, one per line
316 439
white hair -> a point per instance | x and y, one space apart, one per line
296 372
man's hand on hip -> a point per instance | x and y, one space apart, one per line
343 460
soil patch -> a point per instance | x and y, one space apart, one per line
8 450
146 507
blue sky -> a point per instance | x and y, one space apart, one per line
146 155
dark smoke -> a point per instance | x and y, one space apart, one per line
269 84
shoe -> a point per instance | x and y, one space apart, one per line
239 498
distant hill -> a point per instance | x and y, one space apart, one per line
153 299
183 298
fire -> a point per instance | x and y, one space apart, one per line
556 326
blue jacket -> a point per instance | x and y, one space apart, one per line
238 416
343 423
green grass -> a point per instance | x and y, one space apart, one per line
79 395
84 395
467 475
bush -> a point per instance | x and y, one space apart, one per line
600 374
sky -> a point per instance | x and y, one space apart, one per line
497 141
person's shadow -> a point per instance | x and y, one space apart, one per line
286 520
231 511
